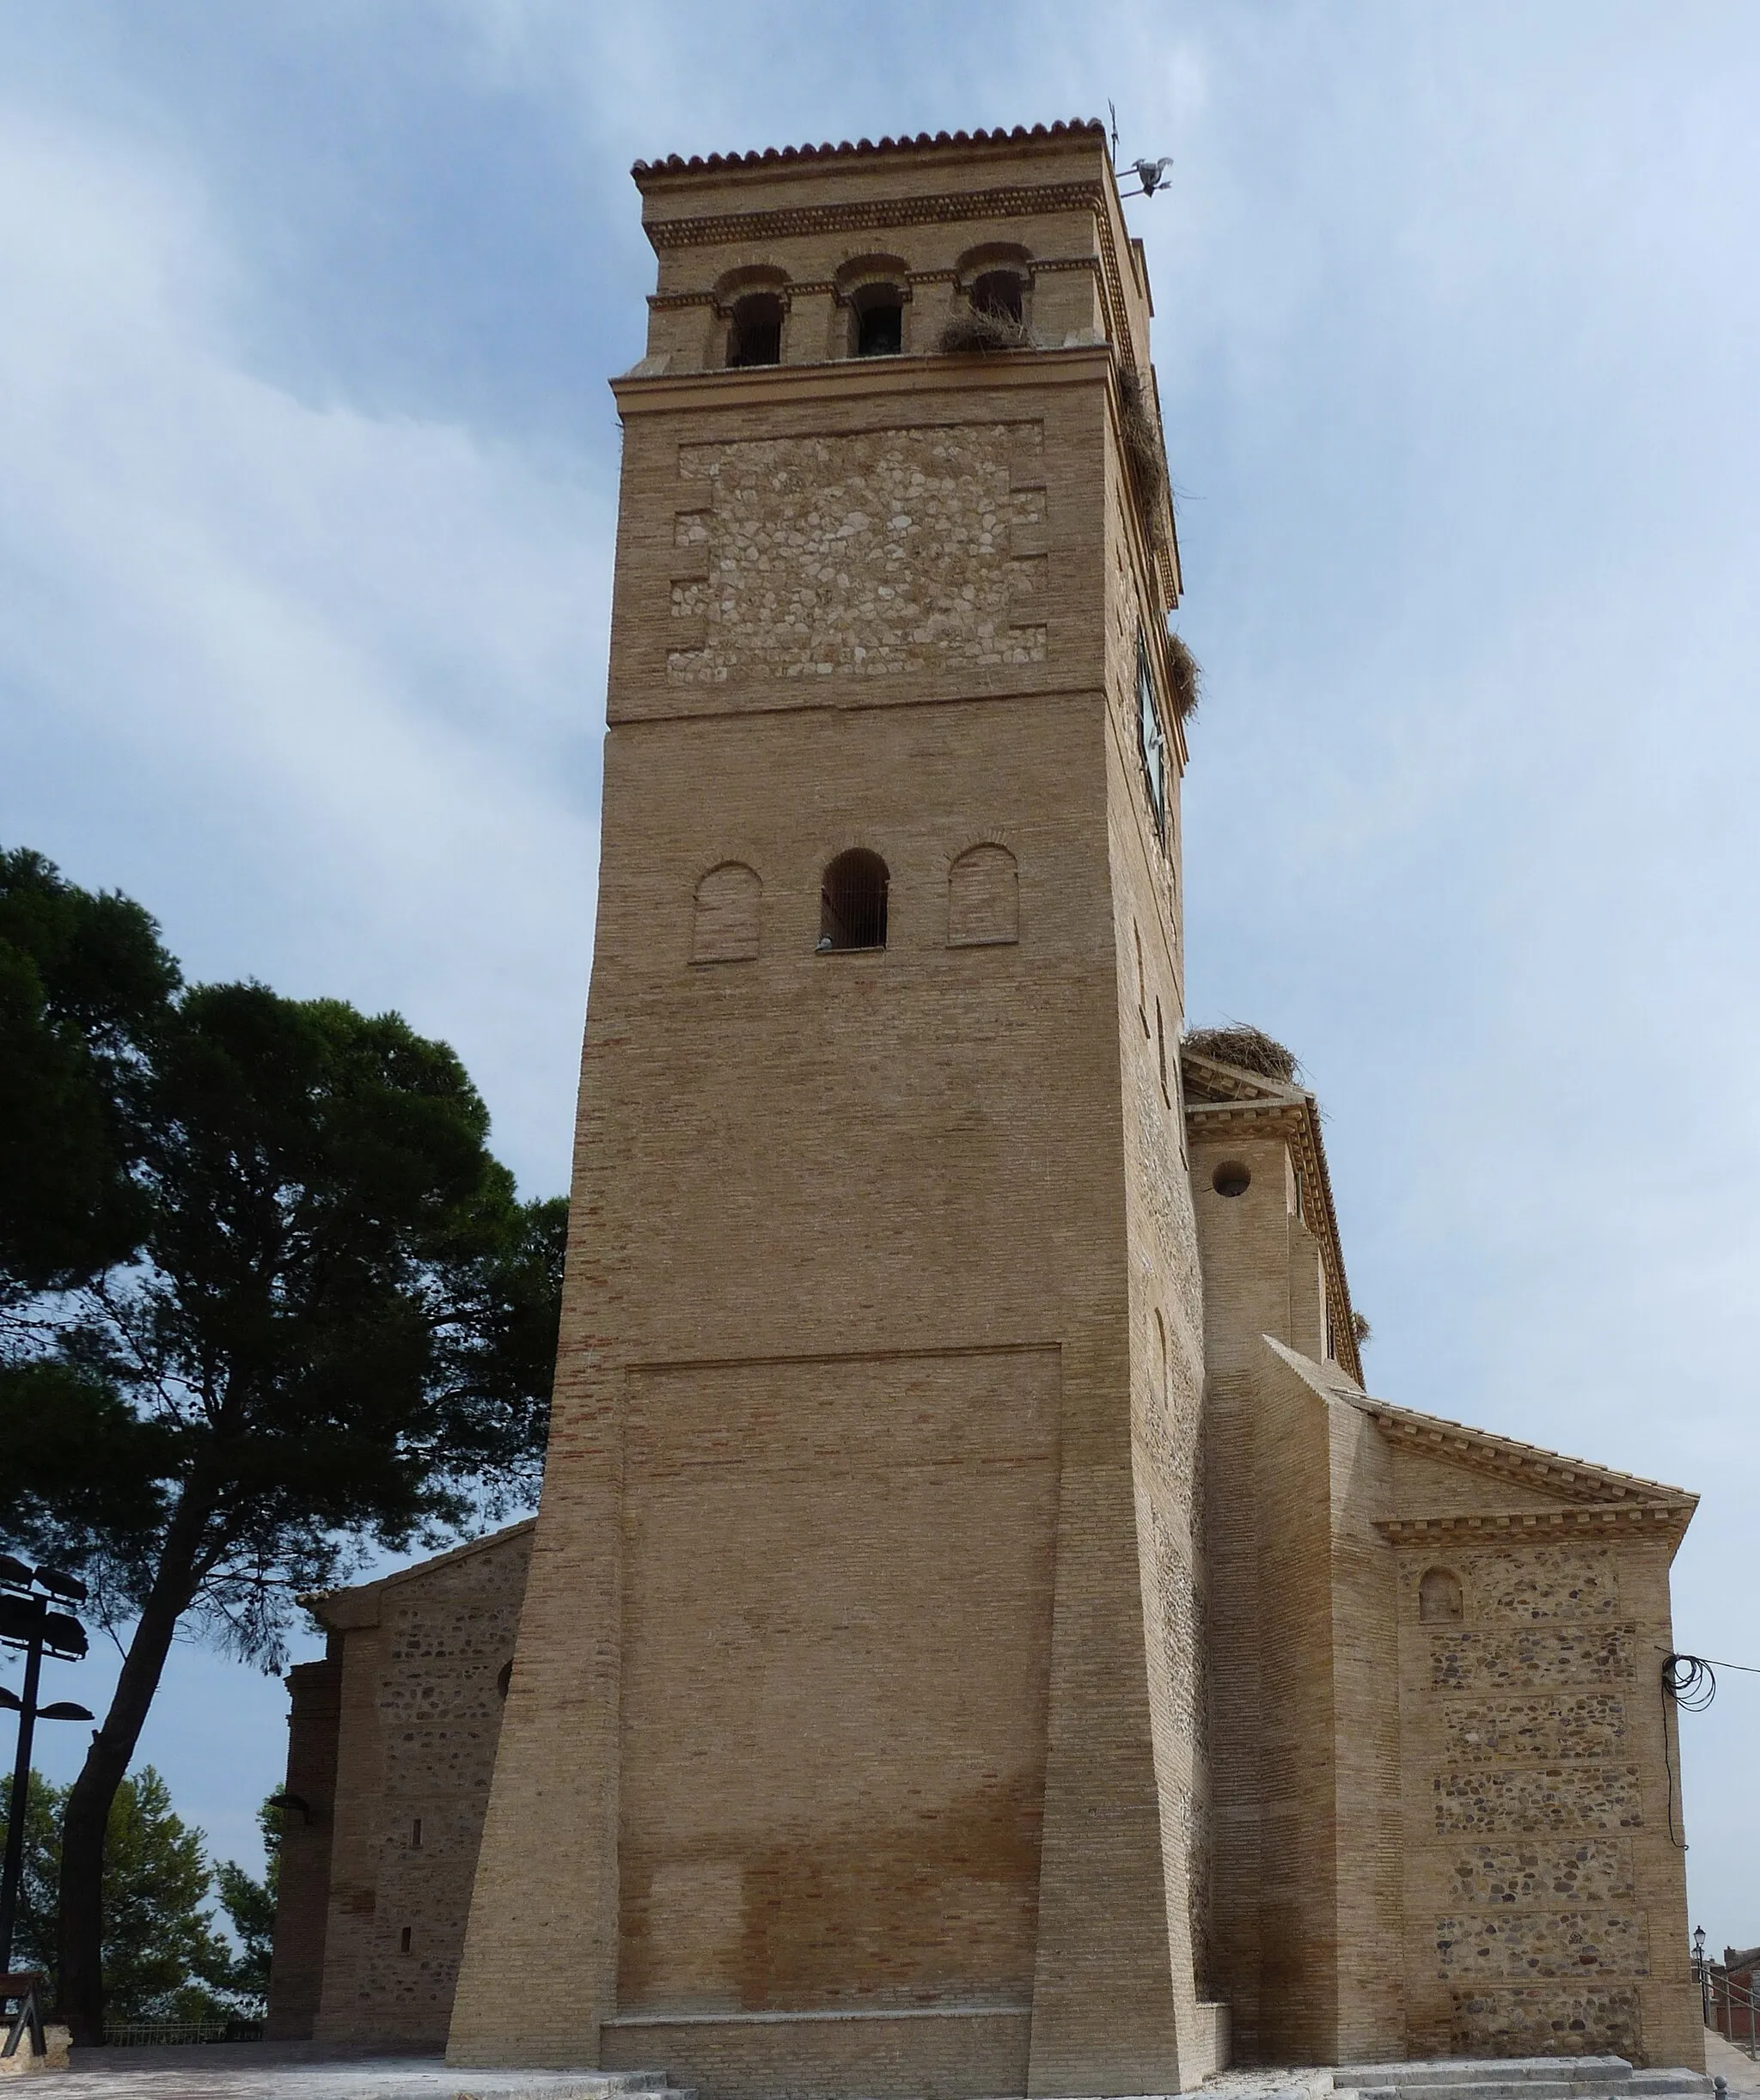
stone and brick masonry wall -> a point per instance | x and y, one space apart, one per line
1536 1813
408 1720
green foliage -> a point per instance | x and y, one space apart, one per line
250 1905
265 1299
338 1323
162 1953
85 987
33 1929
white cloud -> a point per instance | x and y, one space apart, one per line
322 689
1456 329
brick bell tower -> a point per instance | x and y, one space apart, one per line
853 1740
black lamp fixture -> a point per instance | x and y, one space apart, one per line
27 1622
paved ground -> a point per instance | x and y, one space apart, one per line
1737 2070
260 2071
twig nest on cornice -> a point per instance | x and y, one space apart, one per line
1248 1049
1145 452
1187 678
975 332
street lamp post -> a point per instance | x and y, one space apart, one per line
26 1621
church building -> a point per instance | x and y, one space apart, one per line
979 1635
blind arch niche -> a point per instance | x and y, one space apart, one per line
725 926
983 898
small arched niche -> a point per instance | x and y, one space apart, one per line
996 279
1441 1601
724 928
754 330
875 290
852 902
878 321
983 899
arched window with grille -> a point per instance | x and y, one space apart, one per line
754 331
852 902
1001 293
878 319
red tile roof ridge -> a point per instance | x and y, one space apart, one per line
702 163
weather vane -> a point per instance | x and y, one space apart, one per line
1151 175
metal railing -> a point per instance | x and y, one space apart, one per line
143 2034
1731 2009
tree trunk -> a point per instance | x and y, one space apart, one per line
80 1932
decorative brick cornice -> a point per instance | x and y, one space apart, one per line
1499 1525
1011 200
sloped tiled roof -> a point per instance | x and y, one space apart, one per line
1573 1479
1021 134
351 1600
1590 1497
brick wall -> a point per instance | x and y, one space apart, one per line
855 1673
303 1889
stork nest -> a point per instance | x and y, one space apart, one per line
974 332
1361 1328
1246 1049
1187 678
1144 450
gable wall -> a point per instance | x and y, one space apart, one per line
408 1714
1544 1896
1439 1486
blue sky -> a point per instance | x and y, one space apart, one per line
305 537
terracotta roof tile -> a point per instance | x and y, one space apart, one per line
701 164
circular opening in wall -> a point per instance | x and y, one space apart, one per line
1231 1178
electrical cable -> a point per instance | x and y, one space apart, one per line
1752 1669
1690 1681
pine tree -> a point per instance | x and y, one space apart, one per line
278 1304
162 1955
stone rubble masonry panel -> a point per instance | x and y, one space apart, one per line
1542 1944
443 1636
1484 1658
1586 2022
1540 1582
1502 1874
1539 1797
1592 1725
868 552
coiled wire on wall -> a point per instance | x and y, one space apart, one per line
1690 1681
